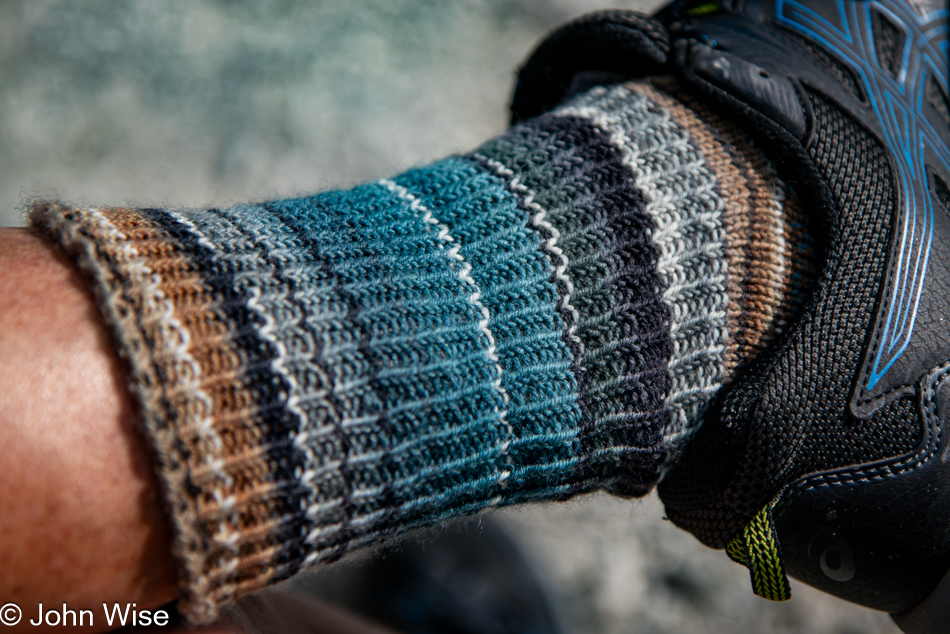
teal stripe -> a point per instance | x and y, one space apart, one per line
392 269
514 275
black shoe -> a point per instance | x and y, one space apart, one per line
834 442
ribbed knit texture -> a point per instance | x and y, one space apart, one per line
542 317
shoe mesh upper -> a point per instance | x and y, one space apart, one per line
788 417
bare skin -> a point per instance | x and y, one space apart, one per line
80 518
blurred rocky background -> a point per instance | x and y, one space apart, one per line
203 102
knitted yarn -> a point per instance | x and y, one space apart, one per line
545 316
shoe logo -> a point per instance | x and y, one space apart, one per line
835 557
896 84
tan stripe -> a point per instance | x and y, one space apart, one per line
754 218
124 287
733 189
219 458
803 255
194 308
767 248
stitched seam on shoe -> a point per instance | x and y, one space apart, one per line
895 466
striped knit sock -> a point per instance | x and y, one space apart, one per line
545 316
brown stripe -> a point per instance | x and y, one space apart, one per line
755 246
733 189
233 450
117 272
802 252
767 250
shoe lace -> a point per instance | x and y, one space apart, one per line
757 548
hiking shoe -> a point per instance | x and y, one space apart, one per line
827 457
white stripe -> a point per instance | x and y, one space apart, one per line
659 154
269 296
539 220
464 271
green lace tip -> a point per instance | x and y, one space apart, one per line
757 548
704 9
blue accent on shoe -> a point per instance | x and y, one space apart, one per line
911 137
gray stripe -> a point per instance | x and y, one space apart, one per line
687 212
293 305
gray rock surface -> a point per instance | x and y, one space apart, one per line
202 102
